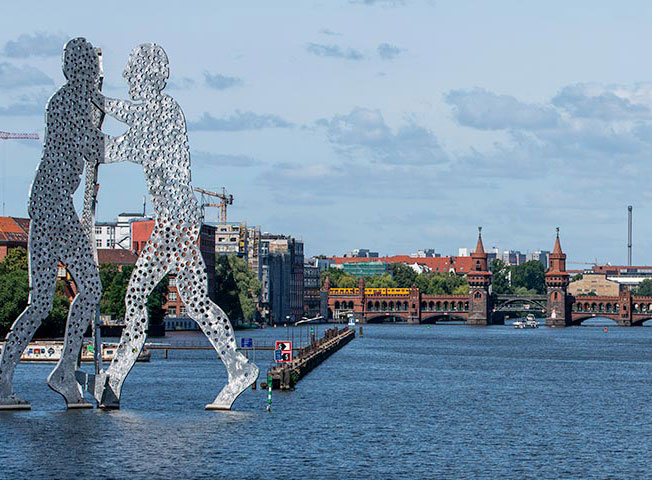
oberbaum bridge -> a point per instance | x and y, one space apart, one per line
479 307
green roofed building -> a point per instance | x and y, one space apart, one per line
365 269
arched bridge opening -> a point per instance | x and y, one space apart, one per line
386 319
442 318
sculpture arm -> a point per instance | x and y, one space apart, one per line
119 149
118 109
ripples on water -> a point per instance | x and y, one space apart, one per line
402 402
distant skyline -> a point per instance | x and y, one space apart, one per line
383 124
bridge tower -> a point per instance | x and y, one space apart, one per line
359 310
479 281
323 299
558 309
625 308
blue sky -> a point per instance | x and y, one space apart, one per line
390 125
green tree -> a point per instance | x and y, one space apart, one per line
14 292
14 289
500 278
530 275
380 281
16 259
403 275
114 290
338 278
248 286
55 323
576 277
644 289
433 283
226 289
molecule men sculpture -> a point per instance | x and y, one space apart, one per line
157 140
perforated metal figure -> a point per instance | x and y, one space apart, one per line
157 140
56 234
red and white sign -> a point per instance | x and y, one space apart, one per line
283 351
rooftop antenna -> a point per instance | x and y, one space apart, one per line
629 236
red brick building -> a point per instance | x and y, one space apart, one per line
14 233
140 233
116 257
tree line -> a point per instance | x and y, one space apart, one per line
527 278
401 276
237 291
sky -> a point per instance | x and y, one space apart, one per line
383 124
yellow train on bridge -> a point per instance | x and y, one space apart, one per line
370 291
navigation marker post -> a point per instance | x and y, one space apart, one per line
270 379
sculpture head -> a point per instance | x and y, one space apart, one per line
80 61
147 71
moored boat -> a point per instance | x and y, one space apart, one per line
529 322
50 351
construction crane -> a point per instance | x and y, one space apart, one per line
226 200
12 136
584 263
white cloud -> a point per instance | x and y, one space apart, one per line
12 76
40 44
365 131
239 121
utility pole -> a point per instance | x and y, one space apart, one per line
12 136
629 236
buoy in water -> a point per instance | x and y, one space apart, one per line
605 329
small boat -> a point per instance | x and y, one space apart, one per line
351 321
529 322
50 351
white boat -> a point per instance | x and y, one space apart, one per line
529 322
351 321
50 351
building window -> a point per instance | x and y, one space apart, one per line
172 296
172 282
111 243
182 310
172 312
98 230
98 242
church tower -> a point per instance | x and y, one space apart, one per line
479 282
558 311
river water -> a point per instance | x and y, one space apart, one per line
402 402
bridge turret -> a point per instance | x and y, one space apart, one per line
558 310
479 279
323 299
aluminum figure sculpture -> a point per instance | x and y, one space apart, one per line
157 140
56 234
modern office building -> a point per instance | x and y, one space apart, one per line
282 278
117 234
540 256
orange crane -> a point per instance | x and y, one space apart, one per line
12 136
226 200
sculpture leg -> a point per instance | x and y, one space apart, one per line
84 271
43 276
145 277
192 286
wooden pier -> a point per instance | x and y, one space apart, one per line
166 347
285 376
